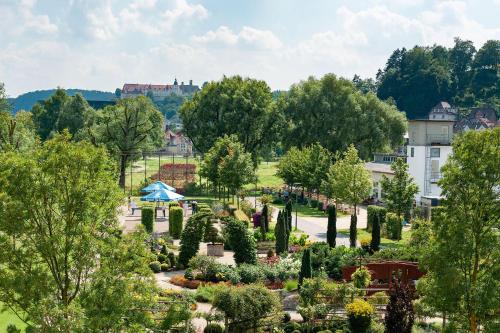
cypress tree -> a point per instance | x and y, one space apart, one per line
331 232
288 210
375 243
264 220
305 268
353 231
280 233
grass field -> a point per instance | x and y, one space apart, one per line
265 172
7 318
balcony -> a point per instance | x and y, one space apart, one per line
438 139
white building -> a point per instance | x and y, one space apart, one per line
428 149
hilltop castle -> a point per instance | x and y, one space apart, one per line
158 91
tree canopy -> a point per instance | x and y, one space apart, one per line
463 257
332 112
399 191
227 164
234 105
58 216
128 128
419 78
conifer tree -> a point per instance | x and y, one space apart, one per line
331 232
305 268
280 233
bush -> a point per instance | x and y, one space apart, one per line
361 278
193 189
291 285
250 273
247 208
155 266
175 217
164 267
213 328
313 203
291 327
359 314
162 258
171 259
394 226
192 236
174 204
206 292
375 213
147 219
241 241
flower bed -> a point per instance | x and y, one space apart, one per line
181 281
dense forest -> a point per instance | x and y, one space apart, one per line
27 100
417 79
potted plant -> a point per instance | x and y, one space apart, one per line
215 246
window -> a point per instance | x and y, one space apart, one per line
435 152
412 152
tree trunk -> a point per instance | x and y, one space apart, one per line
123 167
473 323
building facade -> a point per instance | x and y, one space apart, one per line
178 144
158 91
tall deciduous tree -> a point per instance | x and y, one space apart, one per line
58 218
234 105
399 191
131 126
227 164
17 132
332 112
351 183
291 166
46 113
463 258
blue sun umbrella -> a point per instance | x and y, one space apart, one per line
162 195
158 186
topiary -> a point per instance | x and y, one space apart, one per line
213 328
147 219
394 226
305 268
331 231
173 204
280 232
175 217
359 314
241 241
155 266
192 236
164 267
162 258
377 216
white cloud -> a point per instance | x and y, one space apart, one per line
263 39
19 18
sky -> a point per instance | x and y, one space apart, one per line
101 44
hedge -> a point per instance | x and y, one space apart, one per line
394 226
147 218
313 203
175 215
375 212
174 204
191 237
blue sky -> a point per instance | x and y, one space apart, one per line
100 44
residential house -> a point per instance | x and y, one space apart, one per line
177 144
381 166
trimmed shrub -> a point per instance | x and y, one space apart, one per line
213 328
288 213
280 232
313 203
162 258
305 268
241 241
147 219
359 314
331 231
164 267
192 236
174 204
175 217
155 266
375 213
394 226
376 218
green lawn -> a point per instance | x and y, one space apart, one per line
384 242
265 172
8 317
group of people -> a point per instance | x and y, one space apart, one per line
132 206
